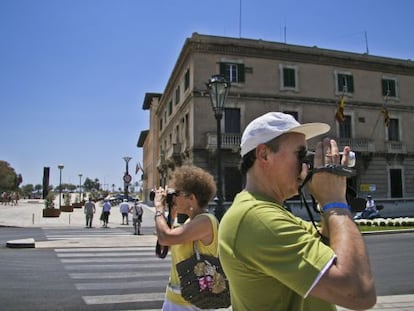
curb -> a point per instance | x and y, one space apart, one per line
22 243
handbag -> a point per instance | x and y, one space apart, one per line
203 282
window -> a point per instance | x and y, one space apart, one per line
396 182
345 83
177 134
170 107
288 77
393 130
231 120
187 127
232 72
187 80
345 128
294 114
232 183
389 87
177 95
160 124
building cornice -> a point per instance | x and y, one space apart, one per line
142 137
295 53
148 100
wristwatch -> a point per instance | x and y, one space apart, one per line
158 213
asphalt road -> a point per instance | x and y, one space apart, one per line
41 279
36 279
392 259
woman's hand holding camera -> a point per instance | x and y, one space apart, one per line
160 198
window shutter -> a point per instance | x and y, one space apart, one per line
384 87
393 91
223 70
340 79
240 72
351 84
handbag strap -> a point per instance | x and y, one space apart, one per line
195 248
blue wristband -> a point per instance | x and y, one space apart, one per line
335 205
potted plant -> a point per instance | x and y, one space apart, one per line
67 207
77 203
50 210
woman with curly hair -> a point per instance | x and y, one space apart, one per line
193 188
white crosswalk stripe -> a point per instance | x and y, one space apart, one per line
126 278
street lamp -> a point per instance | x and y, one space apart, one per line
60 167
127 177
218 89
80 187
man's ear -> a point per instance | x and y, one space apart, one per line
261 152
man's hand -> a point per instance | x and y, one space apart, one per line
325 186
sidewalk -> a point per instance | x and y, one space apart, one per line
28 214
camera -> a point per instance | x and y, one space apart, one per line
342 170
170 195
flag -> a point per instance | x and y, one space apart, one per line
386 117
340 116
138 168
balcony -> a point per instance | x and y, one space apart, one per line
171 157
228 141
173 151
161 161
395 147
357 144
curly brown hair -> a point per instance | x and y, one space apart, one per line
195 180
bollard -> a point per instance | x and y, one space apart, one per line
33 219
69 219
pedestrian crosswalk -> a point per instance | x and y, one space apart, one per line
114 278
85 233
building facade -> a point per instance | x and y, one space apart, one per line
375 94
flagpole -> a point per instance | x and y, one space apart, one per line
240 17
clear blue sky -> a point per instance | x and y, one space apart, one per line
73 73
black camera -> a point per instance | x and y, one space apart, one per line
342 170
170 195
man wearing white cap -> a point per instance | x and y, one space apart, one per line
274 260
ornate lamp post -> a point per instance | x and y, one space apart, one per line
60 167
80 187
127 177
218 88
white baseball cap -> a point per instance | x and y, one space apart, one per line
273 124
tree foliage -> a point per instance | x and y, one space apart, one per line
27 190
91 185
9 180
66 187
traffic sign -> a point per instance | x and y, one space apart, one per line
127 178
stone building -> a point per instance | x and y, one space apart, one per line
307 82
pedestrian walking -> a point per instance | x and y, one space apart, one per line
137 212
124 209
90 210
106 211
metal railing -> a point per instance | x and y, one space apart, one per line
228 141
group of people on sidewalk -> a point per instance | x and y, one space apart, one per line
9 198
125 209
